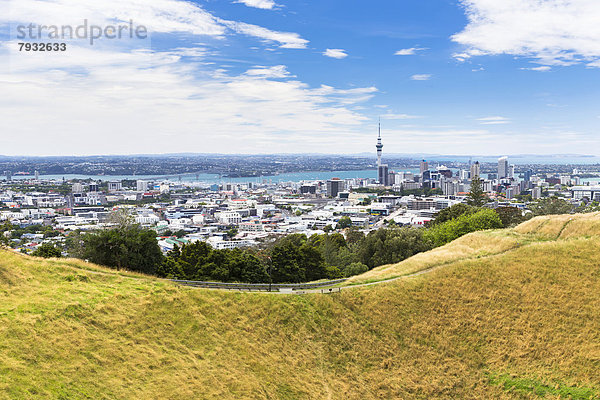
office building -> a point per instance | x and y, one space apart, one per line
475 170
334 187
383 176
77 188
115 186
308 189
424 166
142 186
503 168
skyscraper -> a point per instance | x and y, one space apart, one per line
384 175
334 187
503 167
475 170
424 166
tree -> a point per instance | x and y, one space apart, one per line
47 250
75 245
551 206
121 218
391 245
476 196
355 269
510 216
130 247
452 212
5 233
232 232
343 223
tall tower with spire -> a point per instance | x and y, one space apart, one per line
382 169
379 147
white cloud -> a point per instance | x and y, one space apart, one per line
421 77
335 53
493 120
144 101
554 32
409 52
264 4
277 71
286 40
158 16
543 68
399 116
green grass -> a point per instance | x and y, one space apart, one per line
534 387
509 314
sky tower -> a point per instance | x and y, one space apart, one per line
383 176
379 147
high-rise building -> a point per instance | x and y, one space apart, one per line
8 175
334 186
142 186
423 167
37 175
510 192
475 170
383 176
77 188
503 167
527 175
93 187
115 186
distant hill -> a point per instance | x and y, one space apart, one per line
499 314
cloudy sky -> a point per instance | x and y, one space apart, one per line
262 76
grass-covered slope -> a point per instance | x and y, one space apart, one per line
511 314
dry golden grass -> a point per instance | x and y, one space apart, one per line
519 320
473 245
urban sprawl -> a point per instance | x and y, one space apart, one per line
234 215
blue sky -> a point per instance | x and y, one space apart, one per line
477 77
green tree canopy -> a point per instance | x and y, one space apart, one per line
510 216
450 230
47 250
551 206
127 246
344 222
476 196
453 212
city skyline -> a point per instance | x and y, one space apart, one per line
260 77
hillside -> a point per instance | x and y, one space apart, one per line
500 314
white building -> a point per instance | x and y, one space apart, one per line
229 217
142 186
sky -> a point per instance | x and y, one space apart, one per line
467 77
